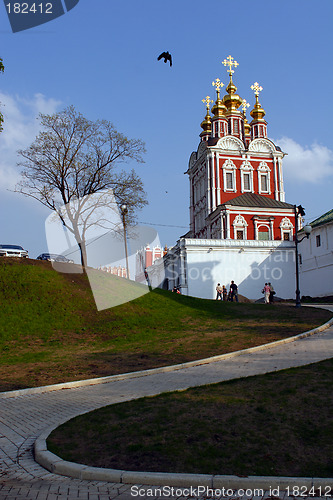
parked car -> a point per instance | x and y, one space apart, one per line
53 257
12 251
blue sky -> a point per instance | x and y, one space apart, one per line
101 57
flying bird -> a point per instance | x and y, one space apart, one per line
167 57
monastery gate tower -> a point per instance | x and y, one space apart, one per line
241 228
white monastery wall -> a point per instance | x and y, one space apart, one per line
199 264
316 268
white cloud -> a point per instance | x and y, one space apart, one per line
308 164
20 129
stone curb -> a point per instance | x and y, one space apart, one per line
56 465
163 369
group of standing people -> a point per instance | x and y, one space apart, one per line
269 293
223 294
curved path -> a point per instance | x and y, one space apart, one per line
27 415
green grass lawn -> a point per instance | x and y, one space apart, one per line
51 331
275 424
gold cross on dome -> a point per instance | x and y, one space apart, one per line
257 88
229 61
245 105
218 84
208 102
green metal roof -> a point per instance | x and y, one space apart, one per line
323 219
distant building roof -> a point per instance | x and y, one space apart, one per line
258 201
323 219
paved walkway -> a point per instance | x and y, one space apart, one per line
25 417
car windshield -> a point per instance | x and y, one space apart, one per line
12 247
55 256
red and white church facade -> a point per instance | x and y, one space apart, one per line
241 228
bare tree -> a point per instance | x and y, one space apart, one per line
73 158
2 69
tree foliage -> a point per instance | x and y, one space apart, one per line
73 158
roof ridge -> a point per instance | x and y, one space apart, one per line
326 217
254 199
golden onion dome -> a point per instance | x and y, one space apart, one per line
257 112
219 110
231 100
206 124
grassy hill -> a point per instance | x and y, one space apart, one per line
51 331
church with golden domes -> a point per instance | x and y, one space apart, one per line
241 228
236 178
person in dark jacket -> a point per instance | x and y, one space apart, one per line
234 291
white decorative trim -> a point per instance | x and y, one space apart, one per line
227 221
230 143
192 160
229 164
246 165
281 189
214 169
208 189
223 243
229 167
202 148
264 167
218 184
258 224
276 191
262 146
286 226
246 168
264 170
240 223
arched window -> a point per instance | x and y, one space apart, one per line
264 178
263 233
246 177
229 176
240 228
286 229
